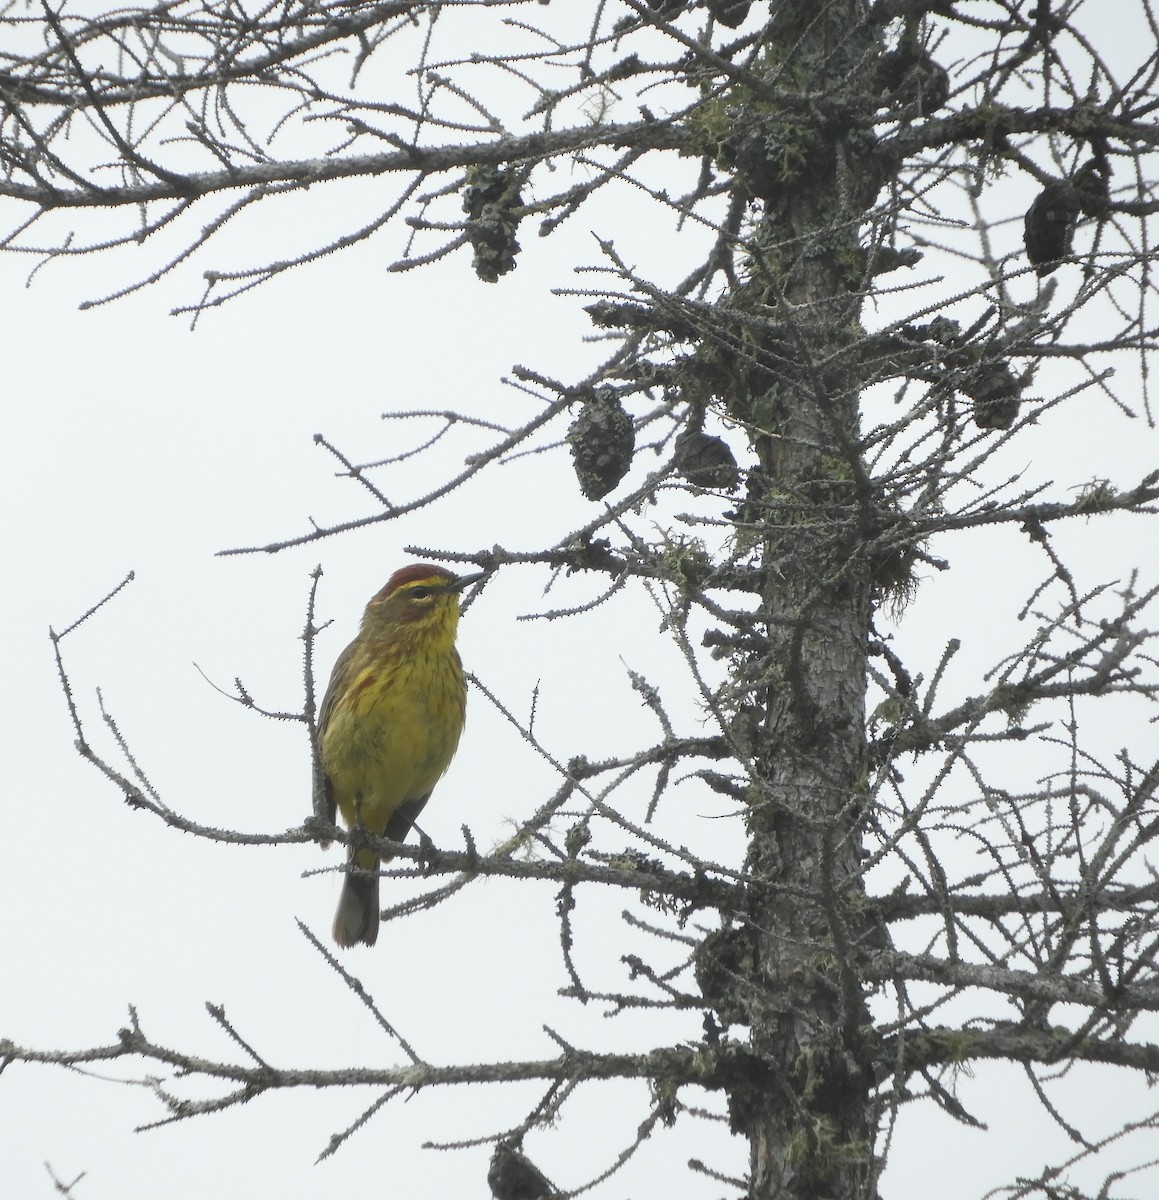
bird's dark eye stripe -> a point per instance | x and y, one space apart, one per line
421 592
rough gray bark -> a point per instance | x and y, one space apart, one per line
810 1117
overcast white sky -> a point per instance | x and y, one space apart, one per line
136 445
132 444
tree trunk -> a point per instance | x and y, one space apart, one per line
810 1128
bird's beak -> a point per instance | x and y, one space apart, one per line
464 580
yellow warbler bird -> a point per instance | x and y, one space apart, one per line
390 724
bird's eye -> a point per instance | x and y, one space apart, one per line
420 593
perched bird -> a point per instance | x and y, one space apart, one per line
390 724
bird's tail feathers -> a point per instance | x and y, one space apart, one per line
357 917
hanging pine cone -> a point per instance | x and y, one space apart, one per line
513 1176
602 441
1092 185
1048 230
909 76
996 394
706 461
729 12
488 200
724 967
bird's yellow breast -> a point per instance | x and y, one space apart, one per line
394 731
